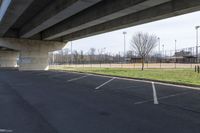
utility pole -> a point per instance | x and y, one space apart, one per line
159 45
71 53
53 57
175 45
175 53
197 42
124 33
163 50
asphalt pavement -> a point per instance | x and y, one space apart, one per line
64 102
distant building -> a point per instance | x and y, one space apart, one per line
183 57
134 60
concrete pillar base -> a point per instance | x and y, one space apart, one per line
8 59
33 60
33 53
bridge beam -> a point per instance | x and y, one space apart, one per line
166 10
14 9
101 12
57 11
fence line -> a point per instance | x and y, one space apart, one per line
180 58
131 65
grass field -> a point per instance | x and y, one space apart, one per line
180 76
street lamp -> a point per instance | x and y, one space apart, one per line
159 53
159 45
175 45
175 53
53 59
163 46
71 53
197 41
124 33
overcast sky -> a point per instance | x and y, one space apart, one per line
181 28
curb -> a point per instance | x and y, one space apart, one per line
140 79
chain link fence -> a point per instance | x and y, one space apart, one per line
179 58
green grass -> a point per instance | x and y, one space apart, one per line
180 76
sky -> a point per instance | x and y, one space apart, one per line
180 28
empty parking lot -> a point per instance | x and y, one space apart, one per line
63 102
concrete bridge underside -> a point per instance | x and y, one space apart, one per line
8 57
35 27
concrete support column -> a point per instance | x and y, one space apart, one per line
33 60
33 54
8 59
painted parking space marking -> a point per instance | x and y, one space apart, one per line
74 79
143 81
165 97
155 99
5 131
105 83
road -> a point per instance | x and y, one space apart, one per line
63 102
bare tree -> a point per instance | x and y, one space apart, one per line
101 54
143 44
82 56
76 55
92 51
92 54
66 55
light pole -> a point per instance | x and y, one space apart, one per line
159 45
124 33
53 57
163 49
71 53
162 54
159 53
197 42
175 52
175 45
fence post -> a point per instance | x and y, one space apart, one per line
147 65
175 63
198 69
160 63
195 68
